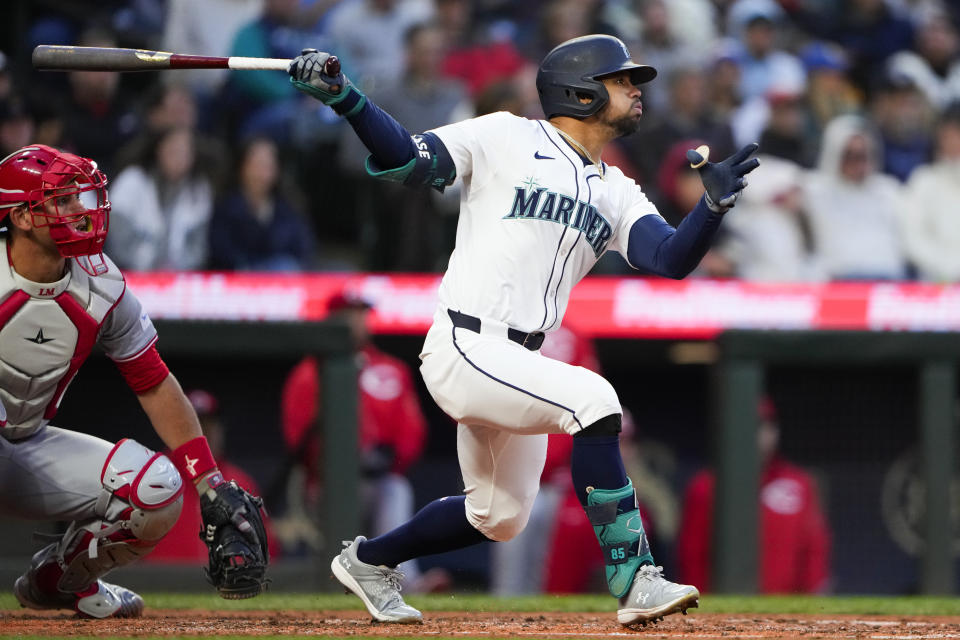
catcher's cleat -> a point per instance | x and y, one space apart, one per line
378 587
651 597
101 600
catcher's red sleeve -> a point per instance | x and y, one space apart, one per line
143 371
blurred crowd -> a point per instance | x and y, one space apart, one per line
855 104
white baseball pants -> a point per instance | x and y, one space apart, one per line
505 398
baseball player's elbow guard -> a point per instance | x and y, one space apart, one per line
430 166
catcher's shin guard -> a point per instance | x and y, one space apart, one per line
615 517
141 501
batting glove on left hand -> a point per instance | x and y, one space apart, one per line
318 74
724 180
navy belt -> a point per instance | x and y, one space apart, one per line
531 341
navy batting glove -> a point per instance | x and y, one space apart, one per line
724 180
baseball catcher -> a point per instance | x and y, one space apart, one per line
60 296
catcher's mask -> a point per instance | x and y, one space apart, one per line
64 192
575 69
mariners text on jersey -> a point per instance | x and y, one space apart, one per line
540 204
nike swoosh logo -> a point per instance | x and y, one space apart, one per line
536 154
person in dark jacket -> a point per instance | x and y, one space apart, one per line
256 227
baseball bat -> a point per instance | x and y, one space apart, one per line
63 58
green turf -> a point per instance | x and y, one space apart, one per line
813 605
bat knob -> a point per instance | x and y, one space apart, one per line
331 67
704 152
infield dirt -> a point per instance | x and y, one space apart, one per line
159 622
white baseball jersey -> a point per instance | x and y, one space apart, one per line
48 329
533 220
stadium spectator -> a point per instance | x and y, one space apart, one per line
6 77
256 226
690 115
830 93
98 117
477 55
368 35
794 537
755 24
261 103
870 31
183 544
781 105
931 222
391 426
402 229
205 28
935 64
16 126
788 124
853 208
723 81
162 206
560 21
513 95
670 40
169 106
904 120
768 240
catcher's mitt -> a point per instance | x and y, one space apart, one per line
236 539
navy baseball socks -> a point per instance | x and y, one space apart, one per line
440 526
610 502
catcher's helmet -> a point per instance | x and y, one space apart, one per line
64 192
573 70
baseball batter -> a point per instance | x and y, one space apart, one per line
59 296
538 209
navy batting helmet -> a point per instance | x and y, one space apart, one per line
573 70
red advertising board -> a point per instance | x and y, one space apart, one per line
605 307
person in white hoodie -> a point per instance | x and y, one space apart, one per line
930 219
767 241
852 207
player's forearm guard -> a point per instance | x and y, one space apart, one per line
431 165
615 517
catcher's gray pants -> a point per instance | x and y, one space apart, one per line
53 475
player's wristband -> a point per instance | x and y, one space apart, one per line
193 459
